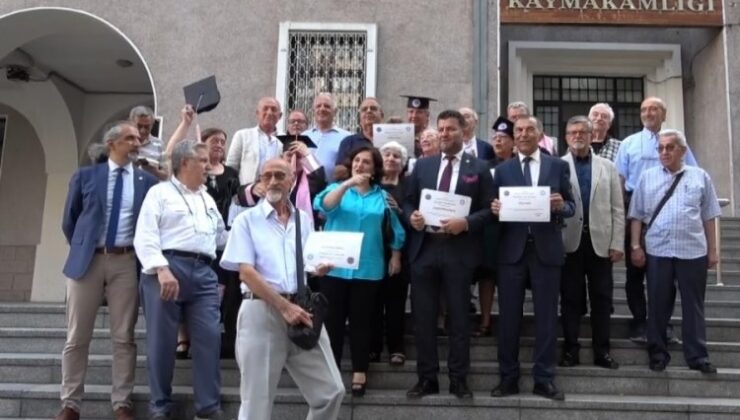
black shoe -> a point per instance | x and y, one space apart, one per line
460 389
705 367
548 390
423 388
374 357
658 365
606 361
506 388
569 359
358 389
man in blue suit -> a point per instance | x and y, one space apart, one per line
100 214
471 144
444 258
534 251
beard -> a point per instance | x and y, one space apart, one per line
273 196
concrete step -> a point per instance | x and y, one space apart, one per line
48 315
714 293
46 369
729 276
51 340
34 401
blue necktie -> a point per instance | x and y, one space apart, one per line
115 211
527 171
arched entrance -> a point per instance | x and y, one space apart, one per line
71 73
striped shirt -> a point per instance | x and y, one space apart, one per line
678 230
639 152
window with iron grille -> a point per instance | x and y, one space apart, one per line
557 98
334 58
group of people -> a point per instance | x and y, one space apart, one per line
208 238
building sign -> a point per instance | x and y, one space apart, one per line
614 12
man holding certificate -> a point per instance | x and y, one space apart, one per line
446 202
533 195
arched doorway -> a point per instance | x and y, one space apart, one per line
70 73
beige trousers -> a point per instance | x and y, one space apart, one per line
263 349
113 277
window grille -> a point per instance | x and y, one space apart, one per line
557 98
327 61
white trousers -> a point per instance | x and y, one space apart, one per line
263 349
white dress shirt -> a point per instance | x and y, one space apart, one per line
125 233
455 169
534 165
174 218
259 239
471 147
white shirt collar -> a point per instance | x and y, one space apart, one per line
268 210
179 185
112 166
458 155
535 156
469 143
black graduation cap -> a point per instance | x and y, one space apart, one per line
418 102
287 139
503 125
202 95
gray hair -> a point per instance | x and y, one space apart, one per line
677 134
606 106
186 149
97 151
580 119
113 132
465 110
518 105
140 111
396 146
328 96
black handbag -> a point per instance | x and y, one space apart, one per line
316 303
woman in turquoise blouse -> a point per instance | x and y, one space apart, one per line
358 205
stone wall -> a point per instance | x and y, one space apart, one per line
16 272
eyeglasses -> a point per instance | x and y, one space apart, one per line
291 122
667 148
577 133
279 176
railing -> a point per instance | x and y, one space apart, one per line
722 203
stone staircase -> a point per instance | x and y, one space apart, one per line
32 336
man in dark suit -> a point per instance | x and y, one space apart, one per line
534 251
444 257
99 219
472 145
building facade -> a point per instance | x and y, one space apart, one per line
69 68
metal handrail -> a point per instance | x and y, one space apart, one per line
723 202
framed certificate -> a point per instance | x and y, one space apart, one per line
524 204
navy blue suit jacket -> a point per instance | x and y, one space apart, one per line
485 150
547 236
84 213
474 180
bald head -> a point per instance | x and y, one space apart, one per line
652 113
277 178
471 122
268 114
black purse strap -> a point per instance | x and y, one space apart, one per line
664 200
298 253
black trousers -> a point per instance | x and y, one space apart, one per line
353 299
390 313
437 270
579 266
691 276
512 281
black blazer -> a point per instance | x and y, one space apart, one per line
474 181
547 236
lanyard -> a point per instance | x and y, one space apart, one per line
186 201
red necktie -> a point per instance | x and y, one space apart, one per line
444 182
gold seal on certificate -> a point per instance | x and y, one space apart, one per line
339 249
436 206
524 204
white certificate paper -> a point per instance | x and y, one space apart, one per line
524 204
340 249
436 206
402 133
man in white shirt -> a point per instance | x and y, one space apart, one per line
262 247
250 148
177 233
151 152
325 134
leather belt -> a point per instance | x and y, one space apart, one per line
186 254
251 296
116 250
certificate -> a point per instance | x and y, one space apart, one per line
436 206
340 249
524 204
402 133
